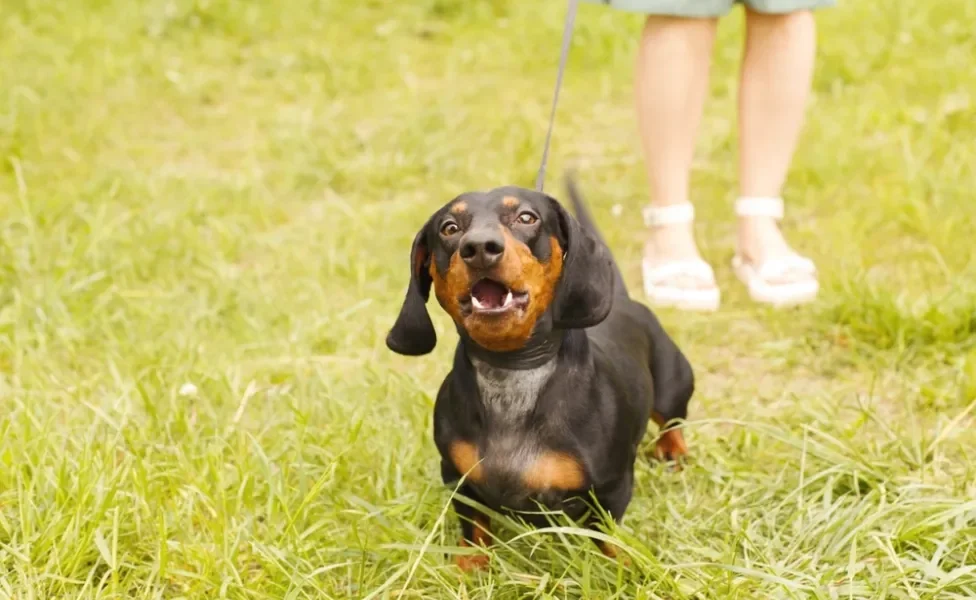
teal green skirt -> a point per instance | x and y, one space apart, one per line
710 8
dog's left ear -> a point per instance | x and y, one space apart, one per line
584 294
413 332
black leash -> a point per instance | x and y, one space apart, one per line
567 37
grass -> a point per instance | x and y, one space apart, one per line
205 212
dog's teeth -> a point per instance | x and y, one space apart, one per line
474 301
508 299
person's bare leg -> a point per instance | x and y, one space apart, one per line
671 87
776 75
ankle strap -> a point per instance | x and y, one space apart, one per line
759 206
655 216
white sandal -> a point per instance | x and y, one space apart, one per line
658 278
758 279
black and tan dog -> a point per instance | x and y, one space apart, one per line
557 372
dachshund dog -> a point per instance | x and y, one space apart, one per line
557 371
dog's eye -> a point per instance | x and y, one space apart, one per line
527 218
450 228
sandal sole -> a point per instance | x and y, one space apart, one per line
703 299
699 300
787 294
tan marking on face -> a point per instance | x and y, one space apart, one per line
520 271
510 201
459 207
465 457
451 286
554 471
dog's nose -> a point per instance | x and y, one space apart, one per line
482 248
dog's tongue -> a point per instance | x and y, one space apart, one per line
490 294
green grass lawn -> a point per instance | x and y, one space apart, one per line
205 215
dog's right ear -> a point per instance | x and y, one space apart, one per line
413 332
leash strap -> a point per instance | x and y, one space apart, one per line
567 38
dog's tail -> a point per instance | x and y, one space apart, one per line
589 225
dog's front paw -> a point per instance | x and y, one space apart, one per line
671 446
610 551
472 562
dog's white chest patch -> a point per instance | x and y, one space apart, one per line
509 393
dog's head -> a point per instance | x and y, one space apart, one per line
503 263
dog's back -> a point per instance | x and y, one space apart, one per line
632 335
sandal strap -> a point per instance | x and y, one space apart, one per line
672 214
698 269
759 206
774 268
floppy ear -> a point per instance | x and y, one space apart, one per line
413 332
584 294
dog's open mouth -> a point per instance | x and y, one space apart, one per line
489 297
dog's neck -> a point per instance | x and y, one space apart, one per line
510 395
541 349
509 383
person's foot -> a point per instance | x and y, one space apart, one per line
765 262
760 240
674 243
674 272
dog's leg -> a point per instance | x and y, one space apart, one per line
615 501
674 384
670 445
475 532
